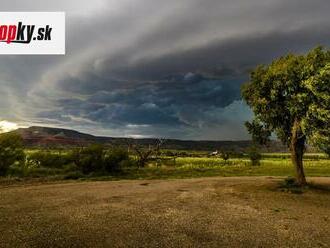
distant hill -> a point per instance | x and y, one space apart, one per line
52 137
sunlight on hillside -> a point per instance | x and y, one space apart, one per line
6 126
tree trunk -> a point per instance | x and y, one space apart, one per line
297 148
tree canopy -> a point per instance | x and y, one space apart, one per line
290 98
317 121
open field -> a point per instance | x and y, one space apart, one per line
183 167
212 212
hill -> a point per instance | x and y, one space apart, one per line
46 136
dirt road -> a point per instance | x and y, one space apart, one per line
207 212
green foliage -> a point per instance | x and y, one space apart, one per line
317 121
96 158
272 164
11 151
115 159
254 155
290 98
89 159
289 90
260 133
49 159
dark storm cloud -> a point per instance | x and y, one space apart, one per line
232 57
165 102
156 68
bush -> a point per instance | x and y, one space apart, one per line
115 159
96 158
89 159
254 155
11 151
49 159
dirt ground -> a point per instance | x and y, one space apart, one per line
205 212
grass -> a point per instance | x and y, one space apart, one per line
185 167
197 167
242 167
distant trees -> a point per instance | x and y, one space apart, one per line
291 98
11 151
95 158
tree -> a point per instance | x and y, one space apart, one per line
317 121
11 151
284 97
144 154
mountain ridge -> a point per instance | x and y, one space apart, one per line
39 136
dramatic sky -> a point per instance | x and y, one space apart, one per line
157 68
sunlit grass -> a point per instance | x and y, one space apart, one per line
190 167
207 167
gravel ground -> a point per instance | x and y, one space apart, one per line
205 212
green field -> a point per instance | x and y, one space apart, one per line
272 164
205 167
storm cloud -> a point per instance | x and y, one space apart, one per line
147 68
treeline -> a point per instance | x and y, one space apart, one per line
98 160
86 160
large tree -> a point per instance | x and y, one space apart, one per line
317 122
290 98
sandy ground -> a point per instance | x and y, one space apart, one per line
207 212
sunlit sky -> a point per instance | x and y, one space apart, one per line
152 68
6 126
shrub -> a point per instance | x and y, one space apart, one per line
90 159
96 159
11 151
49 159
254 155
115 159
